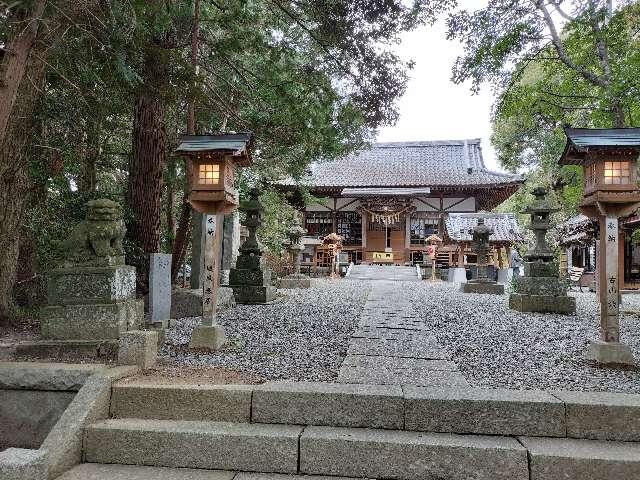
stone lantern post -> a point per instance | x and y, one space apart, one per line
480 243
251 278
295 247
541 290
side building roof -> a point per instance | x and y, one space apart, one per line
505 226
443 166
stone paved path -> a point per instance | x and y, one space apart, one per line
383 272
392 346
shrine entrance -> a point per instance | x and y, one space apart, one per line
389 239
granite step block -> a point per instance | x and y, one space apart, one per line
334 404
483 411
216 403
401 376
187 444
96 471
397 363
395 348
602 415
410 455
571 459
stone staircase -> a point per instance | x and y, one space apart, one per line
361 431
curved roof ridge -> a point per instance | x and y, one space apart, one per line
424 143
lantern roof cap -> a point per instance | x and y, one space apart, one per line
581 140
238 144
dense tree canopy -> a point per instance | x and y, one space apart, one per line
551 64
96 93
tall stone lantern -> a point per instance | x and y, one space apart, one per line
251 278
540 289
480 242
609 158
211 164
296 247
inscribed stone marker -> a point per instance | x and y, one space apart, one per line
160 287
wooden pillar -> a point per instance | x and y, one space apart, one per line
609 279
407 228
364 231
211 280
461 255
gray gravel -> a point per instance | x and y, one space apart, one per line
497 347
303 336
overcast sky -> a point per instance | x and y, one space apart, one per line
433 108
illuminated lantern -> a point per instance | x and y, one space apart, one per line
212 163
609 158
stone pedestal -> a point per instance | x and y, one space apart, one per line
295 281
457 275
505 275
540 290
487 287
609 353
208 337
91 303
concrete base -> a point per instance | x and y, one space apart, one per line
504 275
609 353
490 288
542 304
61 349
457 275
91 322
294 281
251 295
138 347
209 337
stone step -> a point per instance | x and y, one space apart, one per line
410 455
97 471
189 444
445 409
216 403
564 459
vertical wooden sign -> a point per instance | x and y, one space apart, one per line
609 284
208 282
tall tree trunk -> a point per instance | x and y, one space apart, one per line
170 203
23 28
147 164
184 224
15 181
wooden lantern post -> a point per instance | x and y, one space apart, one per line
609 158
213 160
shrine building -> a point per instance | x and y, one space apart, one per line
387 199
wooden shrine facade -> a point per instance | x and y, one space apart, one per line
386 200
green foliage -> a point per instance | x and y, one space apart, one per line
585 77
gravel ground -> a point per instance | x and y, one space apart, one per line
303 336
497 347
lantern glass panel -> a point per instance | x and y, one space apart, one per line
616 173
209 174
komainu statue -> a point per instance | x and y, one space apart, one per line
97 241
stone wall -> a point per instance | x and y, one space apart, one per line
33 397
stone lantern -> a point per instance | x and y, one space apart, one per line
251 279
211 163
609 159
540 289
480 243
295 247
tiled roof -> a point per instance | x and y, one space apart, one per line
410 164
577 230
505 226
